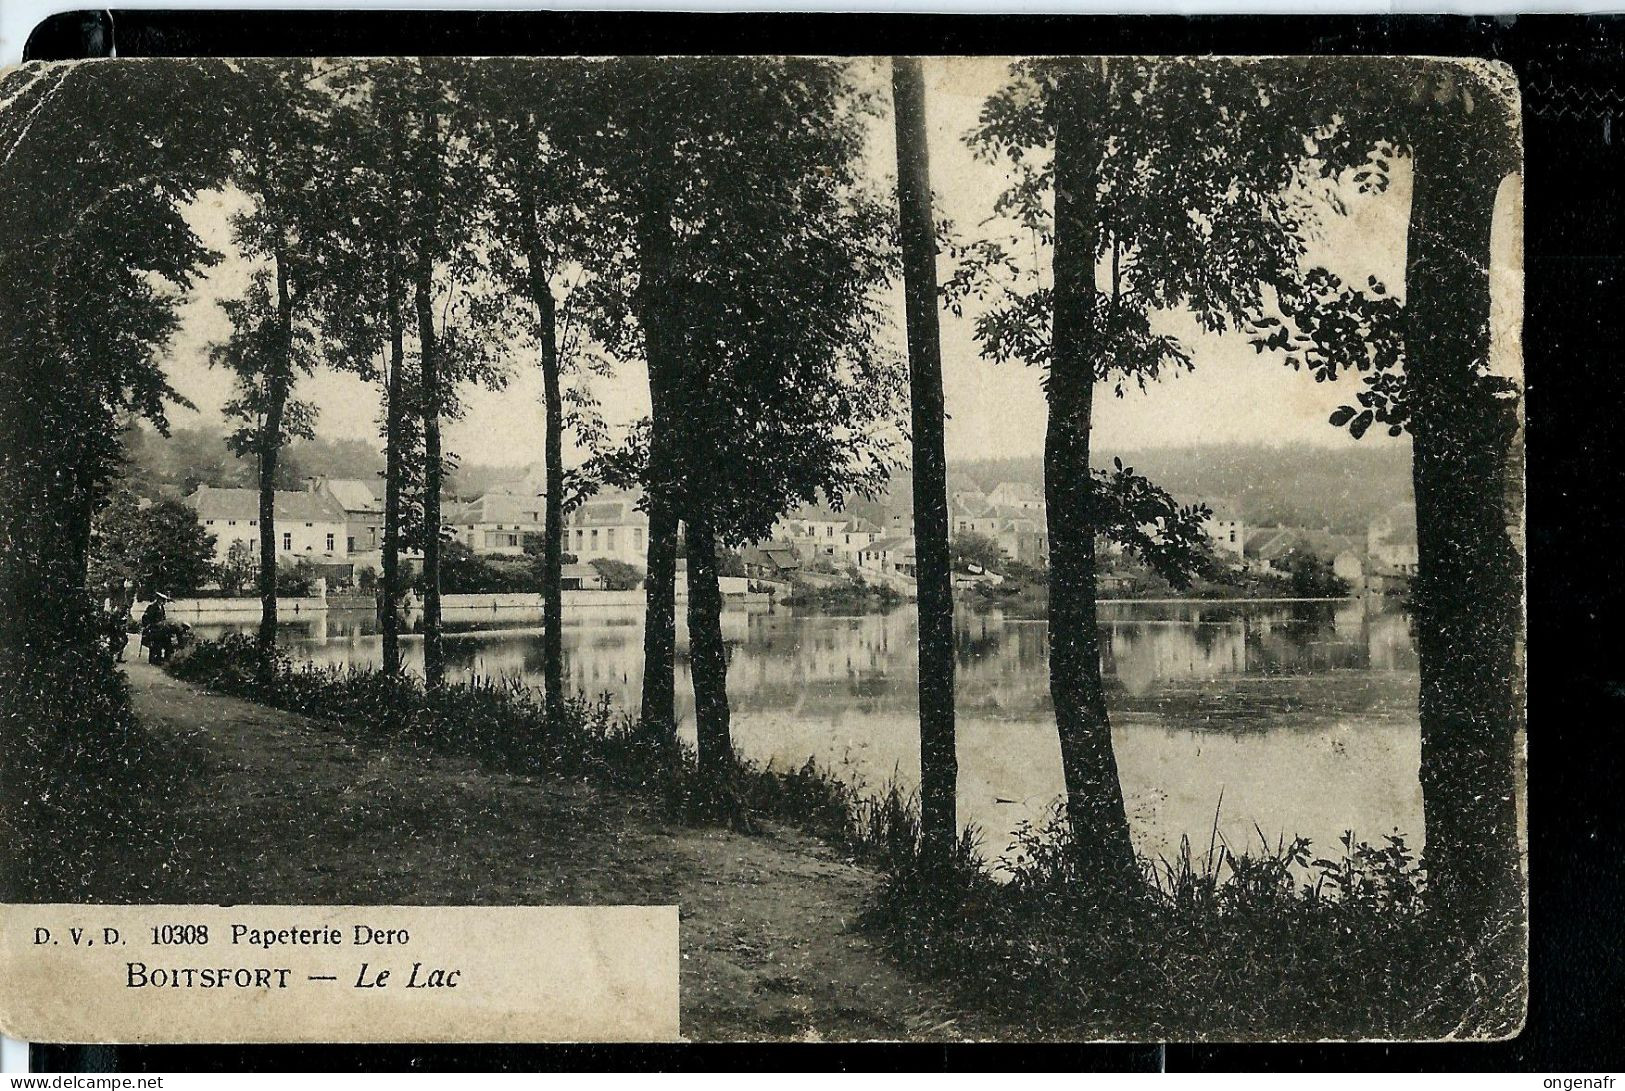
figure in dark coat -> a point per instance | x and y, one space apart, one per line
154 630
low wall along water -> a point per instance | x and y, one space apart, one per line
452 607
193 609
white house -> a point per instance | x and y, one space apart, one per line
363 510
854 536
1226 530
609 526
892 556
496 523
308 524
1391 540
972 515
814 529
1017 494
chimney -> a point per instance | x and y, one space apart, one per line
312 484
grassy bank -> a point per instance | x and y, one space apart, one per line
1265 943
503 725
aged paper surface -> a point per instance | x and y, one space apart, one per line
279 973
1012 548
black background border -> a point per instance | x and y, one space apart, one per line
1572 70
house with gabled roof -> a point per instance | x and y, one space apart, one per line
814 529
497 523
309 525
770 561
1225 529
972 515
609 525
1390 540
1017 494
891 556
363 508
855 535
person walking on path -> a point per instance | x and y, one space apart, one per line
154 629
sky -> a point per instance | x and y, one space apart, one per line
1233 394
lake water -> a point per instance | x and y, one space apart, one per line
1301 715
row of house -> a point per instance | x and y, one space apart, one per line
338 522
1383 558
1012 514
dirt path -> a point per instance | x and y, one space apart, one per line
279 808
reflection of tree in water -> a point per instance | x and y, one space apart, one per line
1178 659
1208 633
976 638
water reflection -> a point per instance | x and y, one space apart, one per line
1303 715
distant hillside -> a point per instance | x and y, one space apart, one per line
1298 485
190 457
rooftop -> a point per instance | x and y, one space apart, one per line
302 506
610 509
354 494
500 508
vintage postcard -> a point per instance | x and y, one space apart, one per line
739 548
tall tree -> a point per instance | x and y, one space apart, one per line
1423 362
939 764
787 393
540 127
98 160
461 329
761 257
88 298
364 307
653 138
1167 180
278 139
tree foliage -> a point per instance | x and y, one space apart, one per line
783 254
969 548
97 159
1198 205
153 547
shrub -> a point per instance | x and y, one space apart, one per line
1275 942
1264 943
618 575
856 594
503 723
298 579
77 765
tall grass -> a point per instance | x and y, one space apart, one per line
1258 943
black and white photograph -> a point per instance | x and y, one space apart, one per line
1015 549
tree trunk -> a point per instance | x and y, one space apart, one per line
659 709
1466 597
434 662
708 654
541 294
394 419
656 247
434 657
1094 795
939 764
277 384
